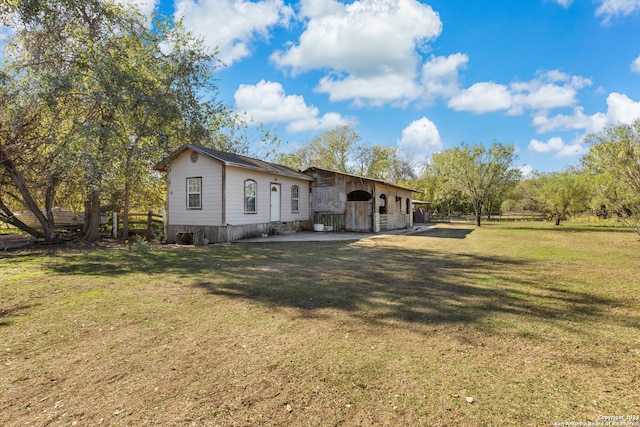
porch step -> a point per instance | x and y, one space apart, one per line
282 229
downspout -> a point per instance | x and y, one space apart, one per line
224 194
224 201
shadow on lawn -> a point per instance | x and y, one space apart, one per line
381 284
447 233
7 313
372 282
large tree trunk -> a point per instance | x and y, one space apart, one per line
21 184
9 218
49 227
92 217
478 209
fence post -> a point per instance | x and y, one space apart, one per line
149 229
115 225
164 223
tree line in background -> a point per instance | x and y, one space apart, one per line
479 179
93 95
606 183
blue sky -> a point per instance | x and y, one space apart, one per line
425 75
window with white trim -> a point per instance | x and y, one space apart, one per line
194 193
250 193
295 198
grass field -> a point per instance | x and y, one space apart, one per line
509 324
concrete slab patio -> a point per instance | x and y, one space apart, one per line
323 236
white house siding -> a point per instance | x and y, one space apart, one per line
235 181
303 199
210 171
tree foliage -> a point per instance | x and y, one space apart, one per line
557 194
333 150
614 160
93 95
342 150
384 163
478 174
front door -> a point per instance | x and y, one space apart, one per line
275 202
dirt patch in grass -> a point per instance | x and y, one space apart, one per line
501 325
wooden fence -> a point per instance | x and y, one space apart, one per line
488 216
149 225
439 217
508 216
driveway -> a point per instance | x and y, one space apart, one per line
321 236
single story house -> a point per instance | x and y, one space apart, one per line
223 197
214 196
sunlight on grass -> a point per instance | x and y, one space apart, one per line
506 324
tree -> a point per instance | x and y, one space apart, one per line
34 136
477 173
383 163
95 97
433 188
341 150
333 150
521 196
59 44
614 157
559 194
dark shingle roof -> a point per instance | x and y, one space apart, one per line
230 159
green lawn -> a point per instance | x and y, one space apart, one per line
507 324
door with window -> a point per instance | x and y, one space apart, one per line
275 202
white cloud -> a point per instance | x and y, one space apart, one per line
420 139
554 144
363 44
482 97
542 97
611 8
440 75
267 102
552 89
548 90
372 90
620 109
576 121
635 65
557 146
232 26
